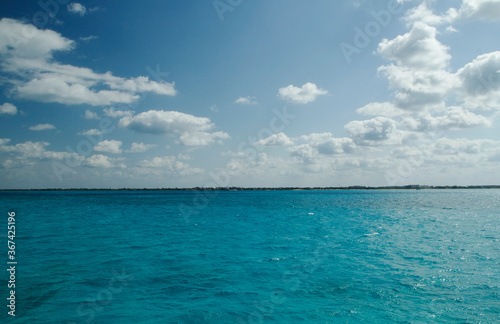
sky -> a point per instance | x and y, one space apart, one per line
165 94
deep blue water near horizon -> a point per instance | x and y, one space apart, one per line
381 256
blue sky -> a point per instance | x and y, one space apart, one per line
249 93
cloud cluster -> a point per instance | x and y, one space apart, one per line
303 95
8 109
22 152
42 127
278 139
109 146
139 148
246 101
191 130
103 162
28 56
77 8
409 130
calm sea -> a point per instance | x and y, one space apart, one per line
402 256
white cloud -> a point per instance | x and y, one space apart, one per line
421 74
246 101
481 82
419 89
111 112
102 161
326 143
77 8
53 88
480 9
382 109
90 115
142 84
193 131
307 93
109 146
375 131
42 127
139 148
35 150
170 165
455 118
278 139
322 152
92 132
27 53
418 48
4 141
8 109
304 151
22 40
202 138
453 147
422 13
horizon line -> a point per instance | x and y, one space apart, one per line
237 188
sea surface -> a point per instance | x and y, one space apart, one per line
370 256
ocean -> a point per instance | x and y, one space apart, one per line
333 256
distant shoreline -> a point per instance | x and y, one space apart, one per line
407 187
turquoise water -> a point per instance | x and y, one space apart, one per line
403 256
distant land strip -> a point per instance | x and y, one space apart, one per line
406 187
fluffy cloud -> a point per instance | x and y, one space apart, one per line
481 82
102 161
307 93
53 88
421 74
27 53
35 150
26 41
376 131
8 109
419 89
90 115
109 146
422 13
139 148
470 9
246 101
455 118
418 48
480 9
111 112
278 139
202 138
326 143
77 8
192 130
42 127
